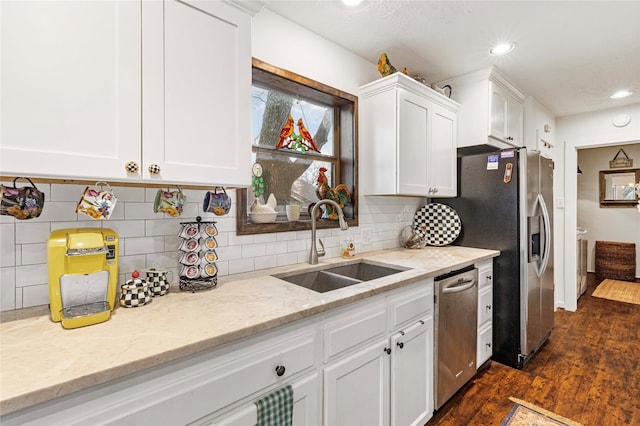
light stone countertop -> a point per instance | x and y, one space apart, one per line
40 360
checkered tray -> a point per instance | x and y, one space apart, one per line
438 223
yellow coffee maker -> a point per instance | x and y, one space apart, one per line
83 275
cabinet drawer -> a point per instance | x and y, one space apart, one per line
485 345
351 328
485 274
485 306
189 389
411 304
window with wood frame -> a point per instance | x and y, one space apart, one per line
301 129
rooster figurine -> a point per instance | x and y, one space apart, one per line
384 66
340 194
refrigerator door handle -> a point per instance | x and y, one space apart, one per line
546 223
539 261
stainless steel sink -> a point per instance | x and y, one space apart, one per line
337 277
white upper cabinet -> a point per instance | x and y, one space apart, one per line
491 109
71 88
196 78
88 87
407 139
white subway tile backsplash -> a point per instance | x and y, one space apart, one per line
287 259
29 275
229 252
7 245
7 289
35 295
264 262
140 211
235 240
143 245
66 193
128 264
33 253
161 227
149 239
32 232
127 228
58 211
254 250
241 265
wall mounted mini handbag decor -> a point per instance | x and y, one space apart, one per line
22 203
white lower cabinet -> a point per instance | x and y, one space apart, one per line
485 312
412 374
356 388
306 407
385 379
369 363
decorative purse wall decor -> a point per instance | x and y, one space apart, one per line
22 203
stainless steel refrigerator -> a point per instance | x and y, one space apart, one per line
505 202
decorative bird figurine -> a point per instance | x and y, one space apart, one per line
340 194
384 66
285 133
307 136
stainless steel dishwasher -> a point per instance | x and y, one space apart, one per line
456 318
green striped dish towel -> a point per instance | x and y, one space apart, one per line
276 409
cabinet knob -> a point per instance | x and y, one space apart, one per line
488 345
489 277
132 167
489 307
400 345
280 370
154 169
435 190
387 350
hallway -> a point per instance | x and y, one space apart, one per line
588 371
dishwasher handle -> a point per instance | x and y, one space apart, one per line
458 286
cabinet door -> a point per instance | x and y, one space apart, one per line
70 88
414 129
412 374
306 407
441 169
498 100
356 388
515 127
197 87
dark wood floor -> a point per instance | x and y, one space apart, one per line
589 371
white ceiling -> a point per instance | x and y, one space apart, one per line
570 55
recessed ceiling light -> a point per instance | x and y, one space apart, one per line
502 49
621 94
351 2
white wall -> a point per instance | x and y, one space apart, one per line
150 240
580 131
605 224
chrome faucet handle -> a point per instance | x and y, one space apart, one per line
321 252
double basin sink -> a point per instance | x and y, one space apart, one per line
333 278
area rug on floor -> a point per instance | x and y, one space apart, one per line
527 414
622 291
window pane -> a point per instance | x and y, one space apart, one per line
291 179
270 109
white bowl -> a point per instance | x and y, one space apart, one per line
268 217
